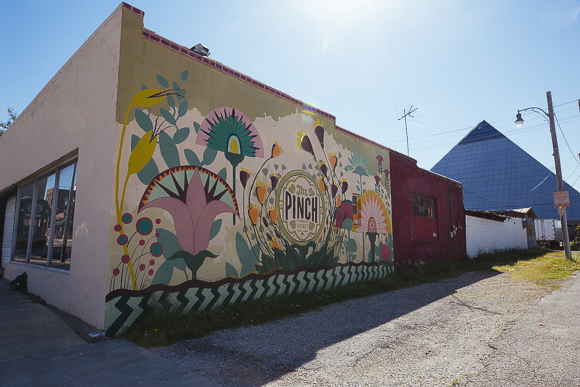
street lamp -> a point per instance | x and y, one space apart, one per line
519 122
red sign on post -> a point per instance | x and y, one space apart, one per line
561 199
561 210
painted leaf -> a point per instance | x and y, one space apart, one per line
246 256
162 81
349 168
176 86
148 172
265 171
143 120
191 157
215 229
223 174
141 154
169 242
168 150
183 76
196 127
209 155
231 271
351 246
144 98
193 262
134 140
143 87
164 272
182 108
167 115
181 135
171 101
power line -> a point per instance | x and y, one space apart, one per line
572 153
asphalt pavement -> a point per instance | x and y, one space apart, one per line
38 348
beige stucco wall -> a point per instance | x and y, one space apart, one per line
74 111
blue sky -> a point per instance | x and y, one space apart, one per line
363 61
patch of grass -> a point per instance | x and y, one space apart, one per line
163 325
545 270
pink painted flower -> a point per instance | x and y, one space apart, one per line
385 252
380 159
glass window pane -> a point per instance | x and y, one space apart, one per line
24 212
44 192
63 228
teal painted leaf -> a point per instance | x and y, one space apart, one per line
169 242
223 174
276 166
149 171
143 87
181 135
265 171
162 81
164 272
193 262
176 86
283 167
168 150
183 76
168 116
182 109
143 120
351 246
349 168
231 271
215 229
209 155
134 140
246 256
191 158
171 101
196 127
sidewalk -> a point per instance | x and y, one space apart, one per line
37 348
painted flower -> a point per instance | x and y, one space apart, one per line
274 179
323 168
253 213
277 232
273 212
194 196
387 173
332 159
338 201
380 159
359 164
244 176
269 236
374 216
227 130
344 186
276 149
265 221
261 192
385 252
377 179
275 244
319 131
304 142
333 190
321 185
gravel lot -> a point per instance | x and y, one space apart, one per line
455 331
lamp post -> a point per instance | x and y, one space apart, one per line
519 122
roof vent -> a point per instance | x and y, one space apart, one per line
201 50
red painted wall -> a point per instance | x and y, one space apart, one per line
413 236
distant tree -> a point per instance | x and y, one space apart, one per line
11 117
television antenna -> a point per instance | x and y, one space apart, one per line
404 116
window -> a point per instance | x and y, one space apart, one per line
424 206
45 218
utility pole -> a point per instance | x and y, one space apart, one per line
563 217
408 113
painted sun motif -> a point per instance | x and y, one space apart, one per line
374 217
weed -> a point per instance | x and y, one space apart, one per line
162 325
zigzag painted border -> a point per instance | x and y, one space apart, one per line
123 310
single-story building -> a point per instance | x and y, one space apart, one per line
147 172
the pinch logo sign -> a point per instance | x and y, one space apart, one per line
301 207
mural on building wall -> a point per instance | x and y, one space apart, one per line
217 201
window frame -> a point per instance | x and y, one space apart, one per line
431 205
56 169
